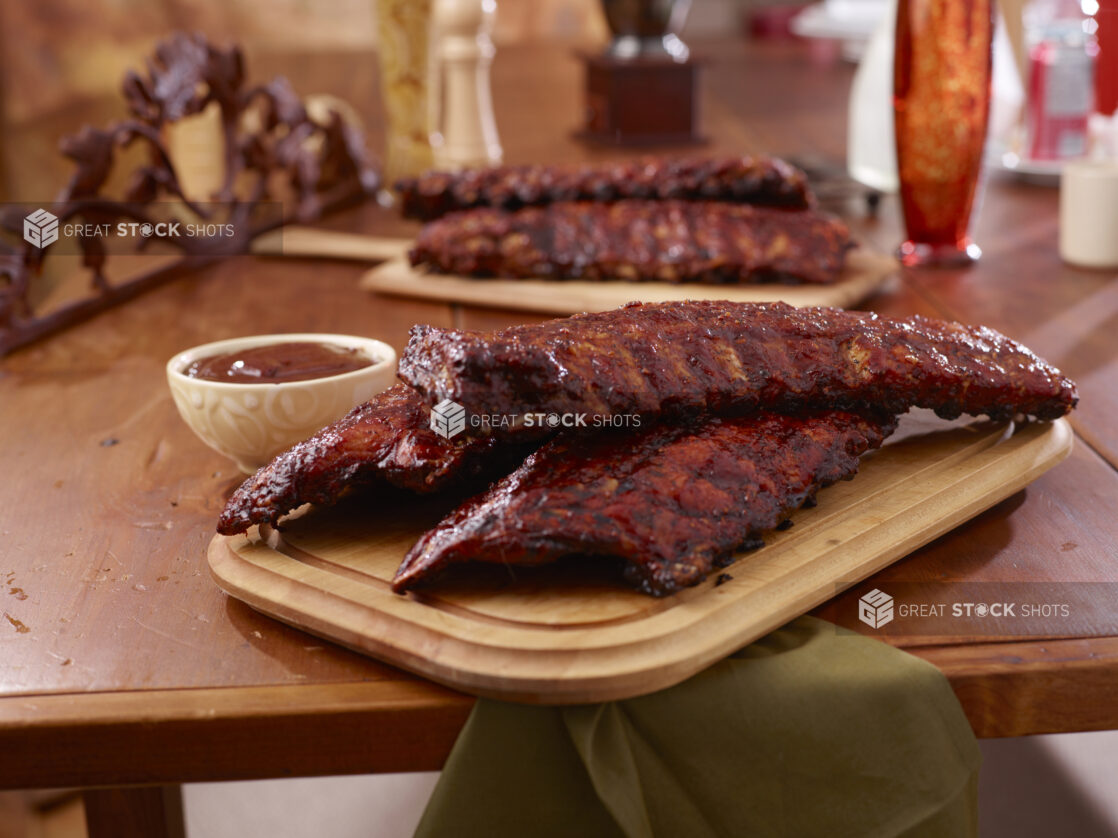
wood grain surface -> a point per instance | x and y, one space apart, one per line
864 273
123 662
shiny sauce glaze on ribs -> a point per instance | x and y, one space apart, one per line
387 441
716 357
667 241
672 501
757 180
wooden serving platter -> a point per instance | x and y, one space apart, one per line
312 243
569 633
865 271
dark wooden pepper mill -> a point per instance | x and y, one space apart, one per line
643 90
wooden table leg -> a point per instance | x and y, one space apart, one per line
134 812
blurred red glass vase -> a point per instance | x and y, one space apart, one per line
941 99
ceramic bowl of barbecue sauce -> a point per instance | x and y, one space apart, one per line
251 398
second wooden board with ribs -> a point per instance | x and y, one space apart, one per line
565 239
865 272
569 633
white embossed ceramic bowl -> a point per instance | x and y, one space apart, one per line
253 422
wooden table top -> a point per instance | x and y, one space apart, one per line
122 662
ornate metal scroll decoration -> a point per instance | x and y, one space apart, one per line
273 151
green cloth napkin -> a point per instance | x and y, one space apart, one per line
810 731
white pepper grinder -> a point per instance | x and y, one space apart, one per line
467 131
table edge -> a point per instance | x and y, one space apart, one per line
238 733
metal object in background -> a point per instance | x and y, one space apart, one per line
646 28
272 149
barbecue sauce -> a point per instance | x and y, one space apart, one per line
278 363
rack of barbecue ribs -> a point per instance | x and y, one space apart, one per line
638 240
733 403
385 442
673 502
765 181
689 358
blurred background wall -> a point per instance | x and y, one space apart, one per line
54 51
61 61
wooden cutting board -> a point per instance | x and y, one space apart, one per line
569 634
865 271
313 243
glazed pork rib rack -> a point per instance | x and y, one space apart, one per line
665 360
638 240
756 180
387 441
672 502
